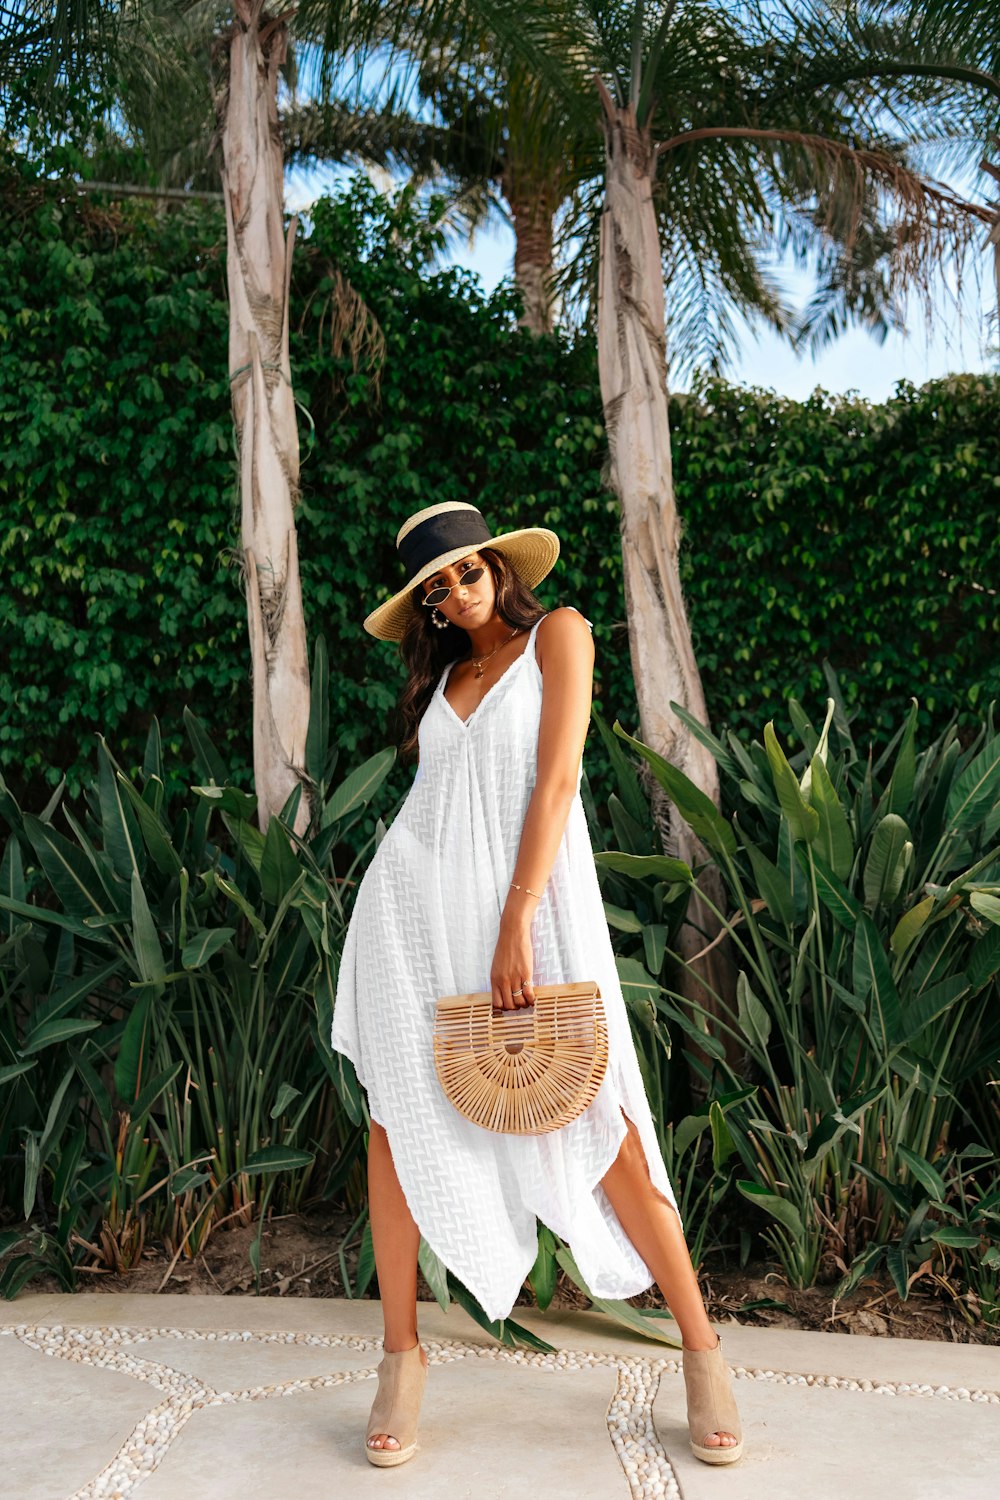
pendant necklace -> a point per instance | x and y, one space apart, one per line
479 660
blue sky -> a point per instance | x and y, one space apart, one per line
958 339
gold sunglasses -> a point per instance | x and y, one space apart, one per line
438 596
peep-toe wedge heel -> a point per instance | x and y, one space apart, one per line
401 1379
711 1406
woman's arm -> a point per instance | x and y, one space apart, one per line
567 676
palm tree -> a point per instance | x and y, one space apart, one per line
98 45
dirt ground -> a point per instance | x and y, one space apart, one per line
299 1258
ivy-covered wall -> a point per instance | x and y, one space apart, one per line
829 529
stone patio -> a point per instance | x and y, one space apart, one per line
111 1397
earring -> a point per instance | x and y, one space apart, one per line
438 618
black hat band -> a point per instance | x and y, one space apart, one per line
441 533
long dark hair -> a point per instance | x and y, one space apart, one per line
426 649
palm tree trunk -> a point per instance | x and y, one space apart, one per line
258 268
633 374
532 207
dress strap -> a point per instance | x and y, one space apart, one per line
531 637
532 646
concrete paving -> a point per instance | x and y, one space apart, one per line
110 1397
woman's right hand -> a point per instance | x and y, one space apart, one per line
513 966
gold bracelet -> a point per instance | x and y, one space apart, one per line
525 888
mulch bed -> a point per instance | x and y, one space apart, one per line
297 1261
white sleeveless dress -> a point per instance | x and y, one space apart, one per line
425 923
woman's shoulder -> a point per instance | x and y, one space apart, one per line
562 630
566 621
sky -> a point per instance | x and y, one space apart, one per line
958 340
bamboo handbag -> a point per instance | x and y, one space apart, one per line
527 1071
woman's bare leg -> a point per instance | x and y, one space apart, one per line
396 1241
651 1223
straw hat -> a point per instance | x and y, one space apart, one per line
432 538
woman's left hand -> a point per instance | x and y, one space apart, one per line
513 965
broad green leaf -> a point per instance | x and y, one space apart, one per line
723 1145
16 1070
862 1265
279 866
642 866
895 1259
986 905
286 1093
129 1064
654 945
889 858
976 790
619 918
119 830
984 960
199 949
153 830
357 789
921 1009
779 1208
900 788
69 872
909 925
542 1275
207 759
148 952
836 1122
689 1129
435 1273
755 1022
239 900
820 753
958 1239
50 1033
873 977
833 841
229 799
695 806
318 733
636 982
276 1159
620 1311
830 889
630 796
366 1261
153 1089
706 738
771 883
803 820
924 1173
152 760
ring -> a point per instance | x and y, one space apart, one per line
517 992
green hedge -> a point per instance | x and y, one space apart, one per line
826 529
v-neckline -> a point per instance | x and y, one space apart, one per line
503 675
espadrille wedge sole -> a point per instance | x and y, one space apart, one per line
401 1379
711 1406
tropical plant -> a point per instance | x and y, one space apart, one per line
168 978
861 900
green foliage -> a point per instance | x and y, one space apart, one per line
818 530
835 530
167 978
863 921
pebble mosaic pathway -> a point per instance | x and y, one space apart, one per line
645 1465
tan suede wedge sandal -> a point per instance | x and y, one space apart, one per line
711 1406
401 1378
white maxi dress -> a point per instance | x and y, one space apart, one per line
425 923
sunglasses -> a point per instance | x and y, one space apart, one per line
438 596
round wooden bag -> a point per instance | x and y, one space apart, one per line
525 1071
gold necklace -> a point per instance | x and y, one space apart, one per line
478 660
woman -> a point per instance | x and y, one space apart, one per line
486 880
